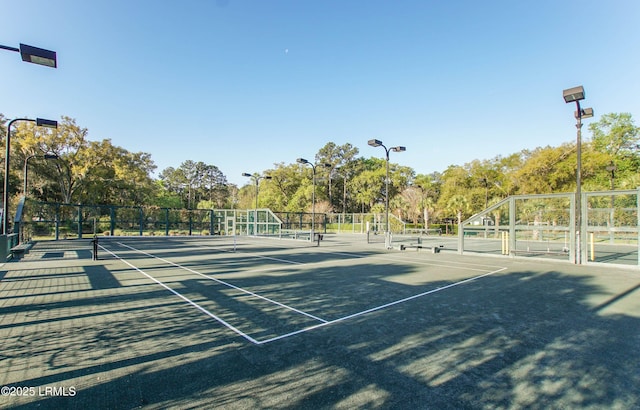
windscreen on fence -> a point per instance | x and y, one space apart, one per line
44 220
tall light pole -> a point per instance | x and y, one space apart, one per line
378 143
576 94
35 55
40 122
26 160
256 177
612 175
313 193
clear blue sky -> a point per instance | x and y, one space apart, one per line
245 84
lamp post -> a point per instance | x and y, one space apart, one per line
313 193
35 55
612 169
576 94
40 122
26 160
378 143
256 178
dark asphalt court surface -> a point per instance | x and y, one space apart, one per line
181 323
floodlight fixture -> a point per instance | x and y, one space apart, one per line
302 161
35 55
398 149
584 113
42 122
611 167
573 94
50 156
244 174
375 143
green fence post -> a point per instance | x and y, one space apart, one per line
141 220
112 220
166 221
79 221
57 222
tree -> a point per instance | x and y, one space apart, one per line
368 186
278 192
615 134
87 172
616 138
195 182
413 203
458 205
338 156
549 169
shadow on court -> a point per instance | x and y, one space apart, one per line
536 335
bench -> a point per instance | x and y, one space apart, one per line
565 251
418 246
21 249
295 234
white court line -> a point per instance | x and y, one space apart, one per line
254 255
309 328
189 301
248 292
386 305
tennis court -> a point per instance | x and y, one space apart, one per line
242 322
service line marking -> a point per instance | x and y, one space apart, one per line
386 305
189 301
248 292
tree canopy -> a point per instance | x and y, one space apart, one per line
97 172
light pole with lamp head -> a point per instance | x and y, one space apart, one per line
576 94
38 56
35 55
612 201
378 143
313 193
40 122
256 178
